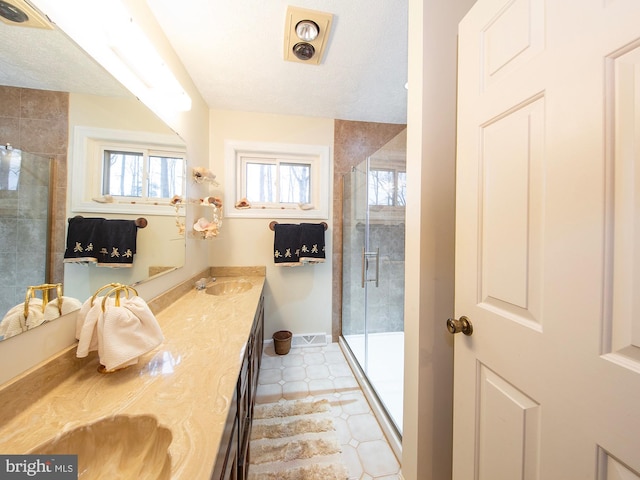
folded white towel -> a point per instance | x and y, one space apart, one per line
14 322
53 310
87 325
126 332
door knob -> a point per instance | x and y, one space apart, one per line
463 325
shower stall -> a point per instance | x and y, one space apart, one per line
24 223
373 227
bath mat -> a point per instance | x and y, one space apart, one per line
295 440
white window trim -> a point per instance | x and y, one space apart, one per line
234 149
85 177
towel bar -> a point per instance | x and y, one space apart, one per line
272 225
140 222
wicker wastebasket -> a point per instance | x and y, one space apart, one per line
282 341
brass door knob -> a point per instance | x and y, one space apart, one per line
457 326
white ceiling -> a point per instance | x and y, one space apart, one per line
233 51
48 60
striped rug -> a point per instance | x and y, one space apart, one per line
295 440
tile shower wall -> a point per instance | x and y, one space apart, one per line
385 312
37 121
24 224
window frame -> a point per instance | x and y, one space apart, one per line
146 153
317 156
87 169
273 160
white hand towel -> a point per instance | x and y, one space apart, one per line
127 332
82 316
87 325
52 310
14 322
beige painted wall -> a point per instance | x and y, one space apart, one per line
429 294
298 298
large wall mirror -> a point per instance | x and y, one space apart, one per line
50 90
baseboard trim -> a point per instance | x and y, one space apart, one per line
306 340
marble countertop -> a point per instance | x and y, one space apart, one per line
186 383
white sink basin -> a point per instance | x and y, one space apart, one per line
119 447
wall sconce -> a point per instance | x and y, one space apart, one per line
306 35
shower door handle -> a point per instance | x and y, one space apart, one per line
365 264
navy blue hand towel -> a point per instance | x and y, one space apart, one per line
82 234
118 243
286 244
98 240
312 246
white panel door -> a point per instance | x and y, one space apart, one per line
548 241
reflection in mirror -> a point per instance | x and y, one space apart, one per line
48 86
98 125
24 228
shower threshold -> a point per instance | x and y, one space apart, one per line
386 373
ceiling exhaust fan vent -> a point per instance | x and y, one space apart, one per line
20 13
306 34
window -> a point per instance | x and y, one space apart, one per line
142 174
286 181
274 181
387 187
10 161
126 172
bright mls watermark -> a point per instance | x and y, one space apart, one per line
39 467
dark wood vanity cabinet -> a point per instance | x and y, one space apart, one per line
232 462
226 467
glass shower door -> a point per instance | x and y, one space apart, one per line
373 271
354 228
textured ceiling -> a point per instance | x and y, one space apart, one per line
48 60
233 50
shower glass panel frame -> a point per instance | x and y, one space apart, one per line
373 227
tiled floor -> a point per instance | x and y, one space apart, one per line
323 372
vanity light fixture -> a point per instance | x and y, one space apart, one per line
138 54
306 35
107 32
